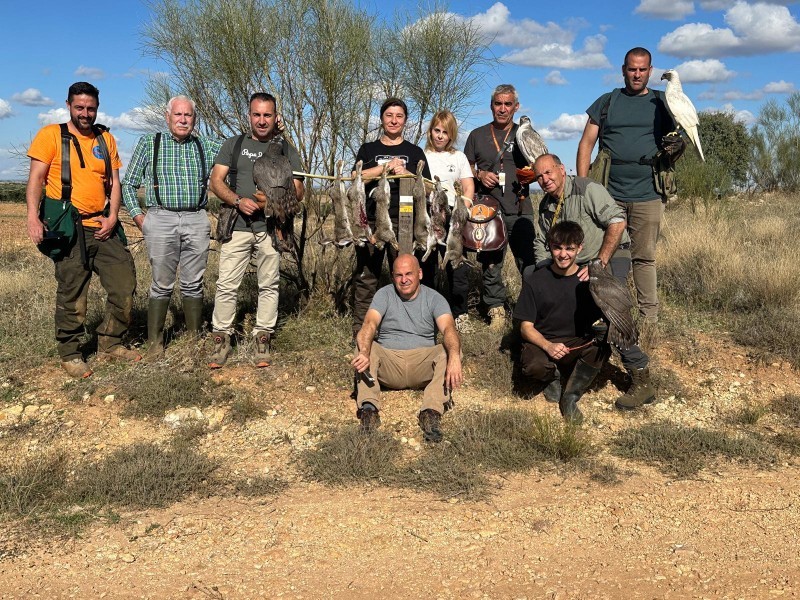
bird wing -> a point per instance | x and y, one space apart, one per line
685 115
614 300
530 143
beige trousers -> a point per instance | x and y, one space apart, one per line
234 256
406 369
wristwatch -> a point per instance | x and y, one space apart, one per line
238 199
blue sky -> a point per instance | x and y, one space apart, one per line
560 55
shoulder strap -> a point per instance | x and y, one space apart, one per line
203 171
98 131
579 185
232 172
66 173
604 112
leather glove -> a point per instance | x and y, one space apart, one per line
600 331
674 145
525 176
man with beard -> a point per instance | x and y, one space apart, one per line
631 124
76 225
252 233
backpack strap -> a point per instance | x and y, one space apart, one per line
604 112
66 173
98 131
233 170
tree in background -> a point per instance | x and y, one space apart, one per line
727 146
775 159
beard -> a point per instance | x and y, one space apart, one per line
83 123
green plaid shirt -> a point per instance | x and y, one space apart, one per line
179 173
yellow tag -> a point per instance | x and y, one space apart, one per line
406 209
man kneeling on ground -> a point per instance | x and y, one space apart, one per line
556 312
405 354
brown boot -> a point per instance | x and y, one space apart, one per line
640 392
76 368
262 339
119 353
222 350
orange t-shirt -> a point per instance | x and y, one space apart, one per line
88 191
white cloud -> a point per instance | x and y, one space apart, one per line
779 87
565 127
31 97
139 120
90 72
741 95
5 109
704 71
541 45
711 5
659 9
555 78
744 116
758 28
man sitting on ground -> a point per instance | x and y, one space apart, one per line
556 311
405 355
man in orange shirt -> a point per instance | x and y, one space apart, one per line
77 190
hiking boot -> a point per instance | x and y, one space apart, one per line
193 315
157 309
222 350
463 324
262 339
641 391
76 368
369 417
577 384
429 421
119 353
552 391
497 318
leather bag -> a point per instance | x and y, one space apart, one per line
485 229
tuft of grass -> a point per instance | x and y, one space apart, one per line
244 408
788 406
31 486
189 432
349 456
317 326
143 475
152 390
259 487
748 414
788 442
684 451
481 350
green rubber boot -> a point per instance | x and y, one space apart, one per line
156 316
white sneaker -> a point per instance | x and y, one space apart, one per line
463 324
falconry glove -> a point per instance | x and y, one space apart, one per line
674 145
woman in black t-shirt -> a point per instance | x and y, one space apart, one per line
402 157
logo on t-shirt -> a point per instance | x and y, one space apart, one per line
97 152
251 155
385 158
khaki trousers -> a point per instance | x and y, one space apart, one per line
644 226
406 369
234 256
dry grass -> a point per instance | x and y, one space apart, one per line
738 261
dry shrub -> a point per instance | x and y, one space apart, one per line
143 475
684 451
32 485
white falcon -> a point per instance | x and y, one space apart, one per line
682 109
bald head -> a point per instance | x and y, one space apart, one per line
406 274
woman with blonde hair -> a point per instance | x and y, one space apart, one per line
451 165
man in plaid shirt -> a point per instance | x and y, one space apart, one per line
174 167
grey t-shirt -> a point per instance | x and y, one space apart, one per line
408 324
245 186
